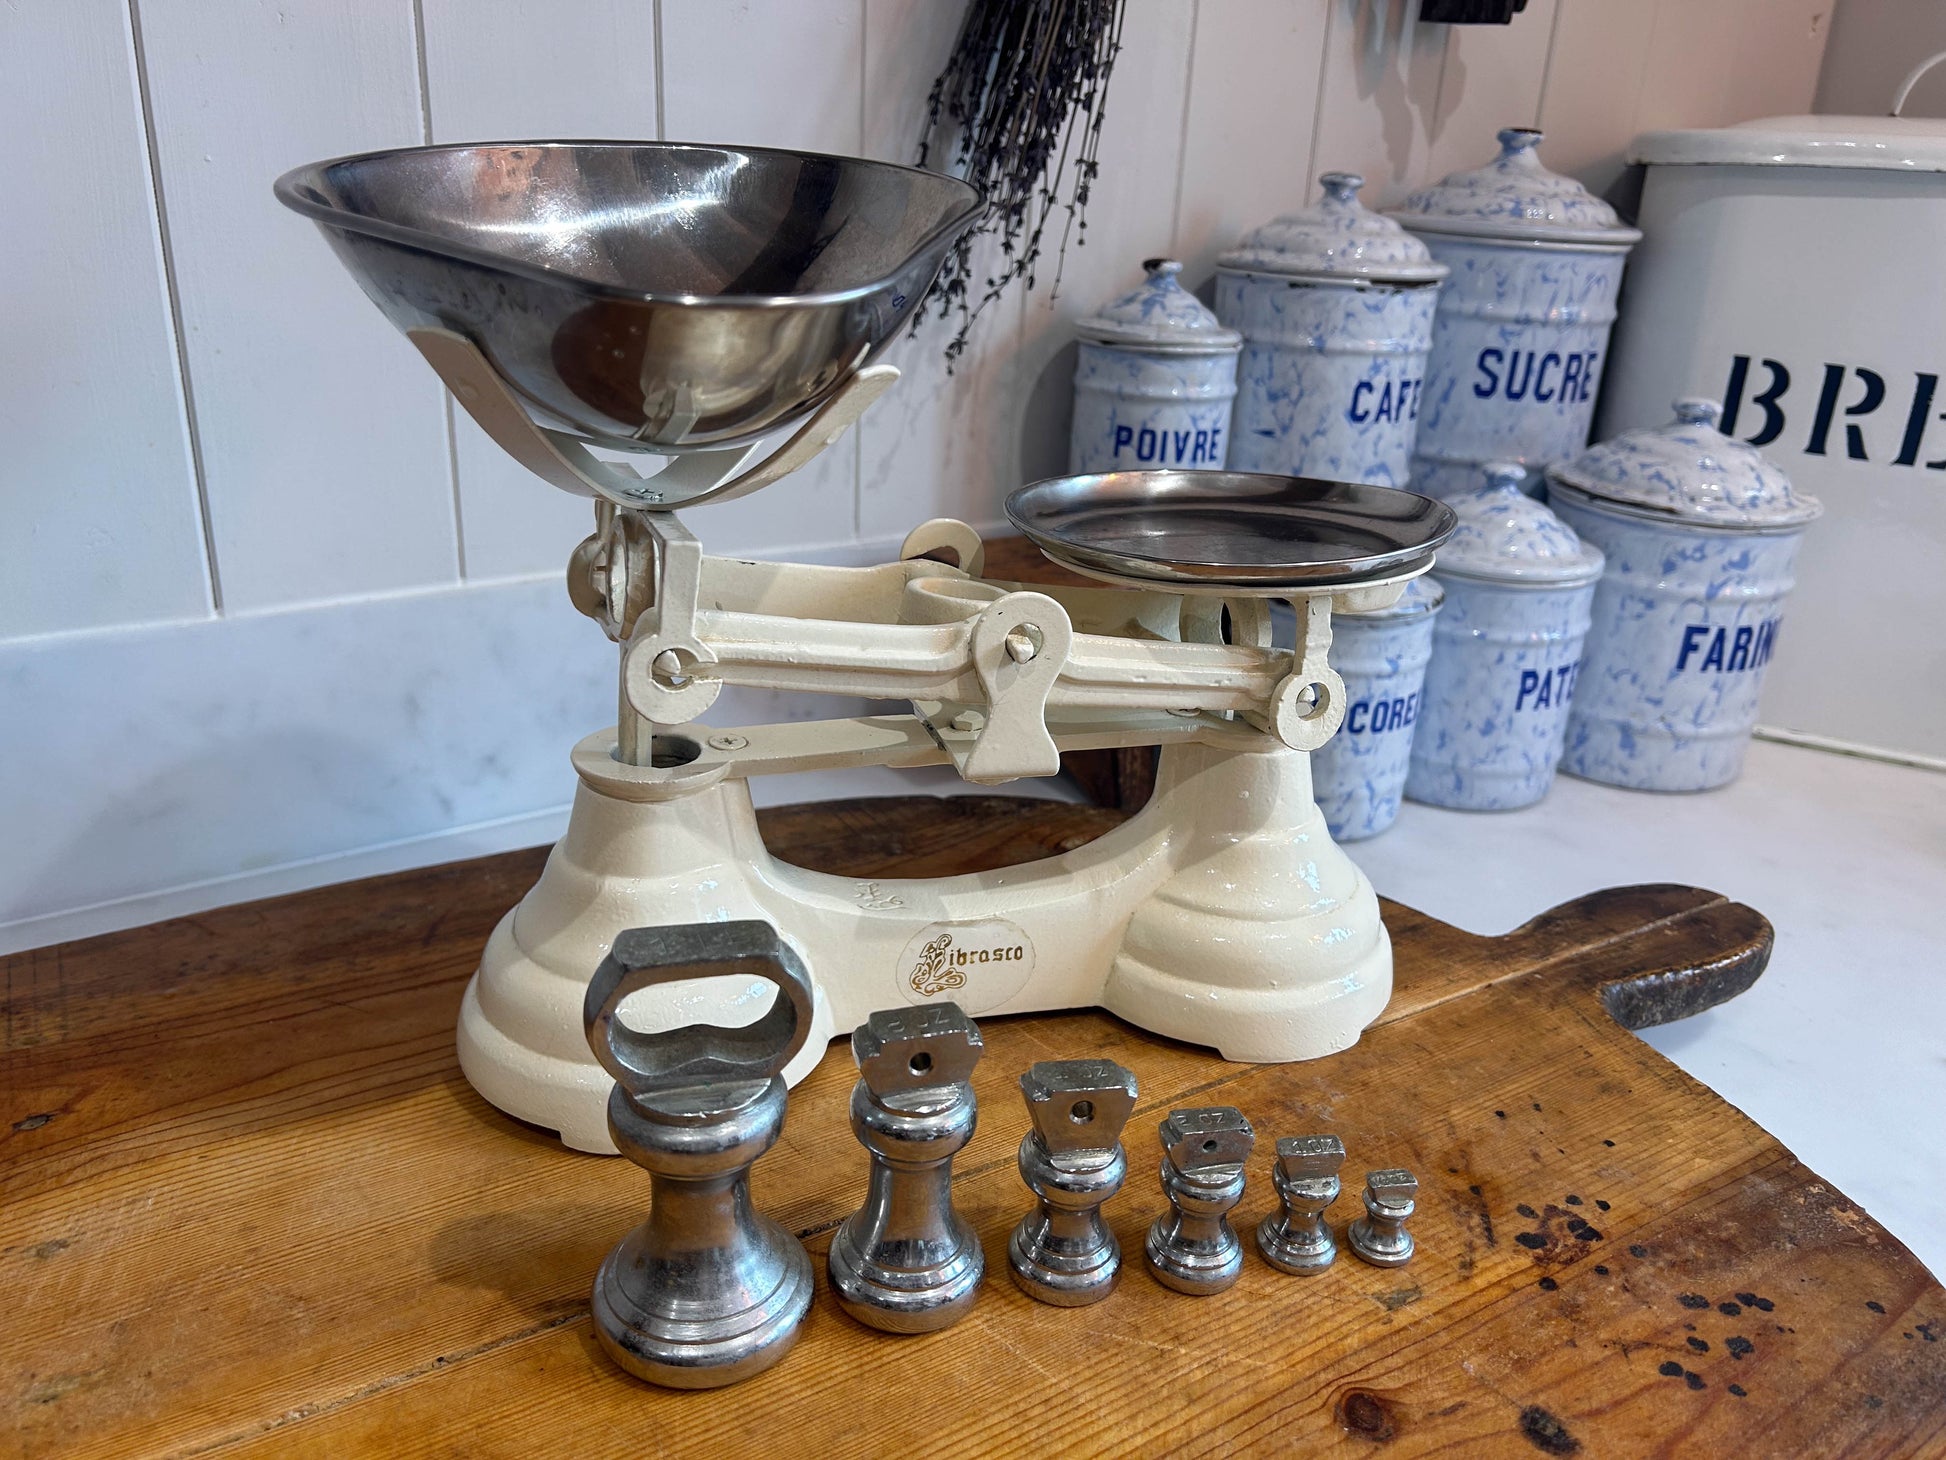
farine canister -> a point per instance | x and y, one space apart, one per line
1335 304
1521 335
1701 534
1154 382
1359 775
1506 649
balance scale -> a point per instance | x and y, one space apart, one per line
694 302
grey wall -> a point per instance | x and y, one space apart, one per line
1873 45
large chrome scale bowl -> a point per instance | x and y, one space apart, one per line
649 296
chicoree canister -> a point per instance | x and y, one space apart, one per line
1358 776
1521 335
1335 303
1506 649
1155 381
1701 535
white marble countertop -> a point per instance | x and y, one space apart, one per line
1839 1050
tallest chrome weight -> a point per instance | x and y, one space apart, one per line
708 1290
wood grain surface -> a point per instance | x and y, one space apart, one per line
250 1206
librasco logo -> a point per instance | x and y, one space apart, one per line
979 965
934 972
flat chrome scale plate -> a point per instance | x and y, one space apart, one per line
1236 531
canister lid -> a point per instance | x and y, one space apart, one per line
1506 536
1690 471
1338 239
1422 596
1161 315
1887 144
1515 198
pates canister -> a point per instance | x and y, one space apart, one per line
1155 381
1521 335
1506 649
1359 775
1701 536
1336 305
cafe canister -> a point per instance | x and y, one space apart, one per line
1336 305
1506 649
1154 382
1521 336
1358 776
1701 535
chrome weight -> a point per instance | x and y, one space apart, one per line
905 1261
1192 1247
707 1291
1380 1236
1062 1252
1296 1239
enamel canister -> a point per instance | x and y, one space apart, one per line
1155 381
1336 306
1701 535
1506 649
1521 335
1358 776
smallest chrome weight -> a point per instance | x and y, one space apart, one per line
1380 1236
708 1290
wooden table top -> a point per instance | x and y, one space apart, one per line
251 1206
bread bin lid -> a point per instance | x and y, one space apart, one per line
1688 471
1161 315
1888 144
1516 199
1335 240
1506 536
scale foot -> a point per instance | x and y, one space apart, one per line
1267 944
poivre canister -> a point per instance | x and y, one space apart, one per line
1335 304
1154 382
1701 534
1358 776
1521 335
1506 649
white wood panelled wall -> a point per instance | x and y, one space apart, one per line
242 523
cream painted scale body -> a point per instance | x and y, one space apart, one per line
1221 914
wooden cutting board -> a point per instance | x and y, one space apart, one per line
248 1204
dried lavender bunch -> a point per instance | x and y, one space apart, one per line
1019 109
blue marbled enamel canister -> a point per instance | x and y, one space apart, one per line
1155 381
1701 536
1336 305
1358 776
1521 336
1506 650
